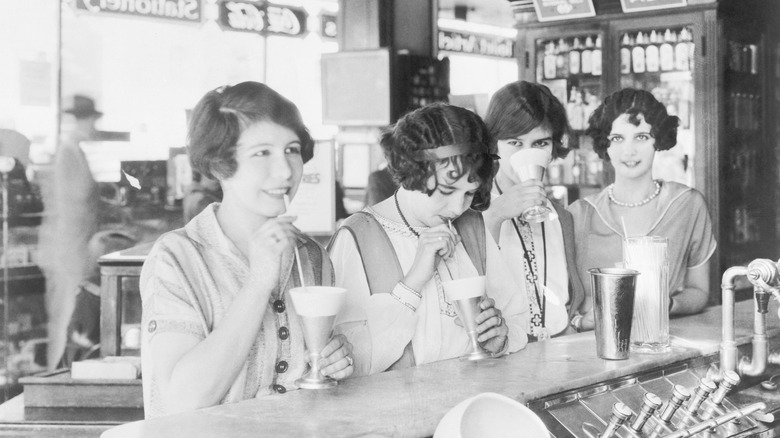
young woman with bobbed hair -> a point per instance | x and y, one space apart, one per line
218 326
397 314
627 129
525 115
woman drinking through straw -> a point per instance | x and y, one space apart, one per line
393 258
627 129
218 324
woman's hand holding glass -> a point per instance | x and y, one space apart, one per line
266 247
519 198
491 326
435 244
336 358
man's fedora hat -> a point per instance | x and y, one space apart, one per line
81 106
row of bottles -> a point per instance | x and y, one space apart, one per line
656 50
570 57
742 57
744 110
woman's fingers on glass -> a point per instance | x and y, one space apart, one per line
486 303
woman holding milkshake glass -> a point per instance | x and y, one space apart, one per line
443 161
218 323
526 123
627 130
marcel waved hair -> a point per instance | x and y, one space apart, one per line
436 125
222 114
663 127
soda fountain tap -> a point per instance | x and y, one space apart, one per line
620 414
650 403
730 380
706 387
763 274
679 395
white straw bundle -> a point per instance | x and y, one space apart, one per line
648 255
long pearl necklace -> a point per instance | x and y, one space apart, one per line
611 194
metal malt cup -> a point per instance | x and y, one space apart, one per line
613 306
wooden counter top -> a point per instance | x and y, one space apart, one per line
411 402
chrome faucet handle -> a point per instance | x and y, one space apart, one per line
650 403
679 395
706 387
620 414
730 380
764 274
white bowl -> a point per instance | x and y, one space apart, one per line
490 415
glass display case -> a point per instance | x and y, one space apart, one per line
709 64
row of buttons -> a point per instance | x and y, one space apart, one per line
284 333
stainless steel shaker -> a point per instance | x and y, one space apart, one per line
613 306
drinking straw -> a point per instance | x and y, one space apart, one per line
295 245
625 230
449 221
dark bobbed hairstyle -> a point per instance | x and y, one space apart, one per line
436 125
519 107
222 114
632 102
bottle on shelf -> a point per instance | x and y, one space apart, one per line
681 49
625 55
666 52
638 54
549 60
575 109
562 59
586 56
555 172
652 55
577 169
596 57
575 57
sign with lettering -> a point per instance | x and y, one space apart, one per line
552 10
328 26
649 5
181 10
262 18
461 42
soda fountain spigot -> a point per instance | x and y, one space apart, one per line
620 414
764 275
706 387
650 403
679 395
730 380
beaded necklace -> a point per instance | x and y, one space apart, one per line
403 218
611 194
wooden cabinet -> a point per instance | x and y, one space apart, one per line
721 82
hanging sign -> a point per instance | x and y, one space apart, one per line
181 10
262 18
328 26
553 10
461 42
649 5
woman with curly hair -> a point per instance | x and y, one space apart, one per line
627 129
218 324
396 313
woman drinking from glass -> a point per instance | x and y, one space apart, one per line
397 314
218 324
